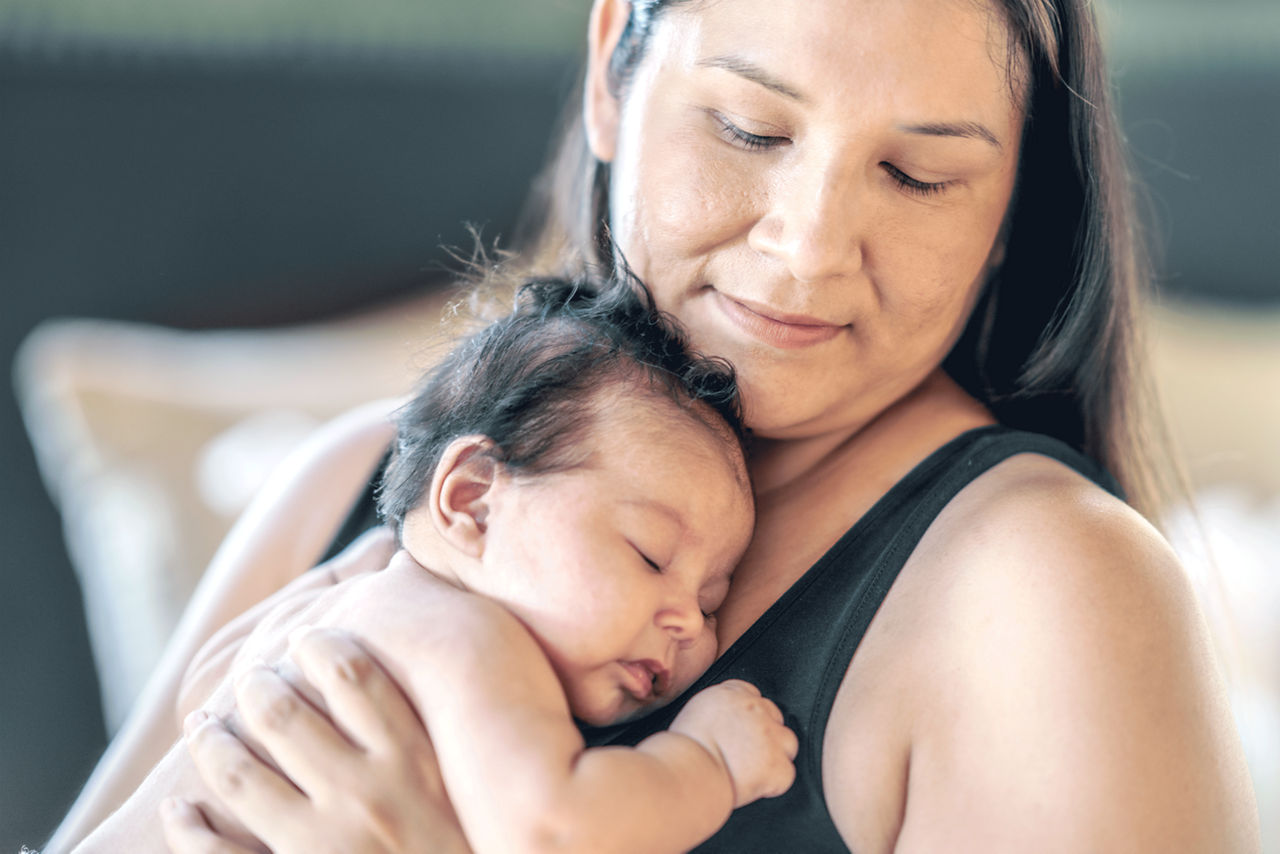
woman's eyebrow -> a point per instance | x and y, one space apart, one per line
751 71
746 68
964 130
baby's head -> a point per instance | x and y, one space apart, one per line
584 470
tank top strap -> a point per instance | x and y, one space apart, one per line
861 568
799 650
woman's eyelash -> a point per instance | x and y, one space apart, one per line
756 142
912 185
746 139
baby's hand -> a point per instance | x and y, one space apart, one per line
745 732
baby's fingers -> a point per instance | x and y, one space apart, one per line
783 771
790 743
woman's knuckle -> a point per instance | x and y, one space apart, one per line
420 757
278 711
233 777
352 667
382 820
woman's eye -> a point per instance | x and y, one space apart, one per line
745 139
913 185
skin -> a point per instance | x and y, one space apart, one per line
813 220
815 226
524 601
615 566
758 159
1039 677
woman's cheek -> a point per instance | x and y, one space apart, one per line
696 192
942 279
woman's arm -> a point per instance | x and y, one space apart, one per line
371 786
495 711
1063 693
270 618
282 534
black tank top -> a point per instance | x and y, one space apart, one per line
798 651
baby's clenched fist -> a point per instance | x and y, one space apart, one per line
745 732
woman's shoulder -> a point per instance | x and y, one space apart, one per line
335 461
291 521
1043 548
358 434
1081 690
1030 500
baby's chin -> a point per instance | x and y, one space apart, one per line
628 709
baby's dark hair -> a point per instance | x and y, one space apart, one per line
530 382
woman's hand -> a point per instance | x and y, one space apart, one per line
261 633
362 779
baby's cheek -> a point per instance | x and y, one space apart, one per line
695 660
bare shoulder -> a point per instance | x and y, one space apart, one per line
1071 699
426 632
291 521
336 460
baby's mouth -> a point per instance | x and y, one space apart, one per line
649 678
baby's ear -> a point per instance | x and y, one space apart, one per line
458 501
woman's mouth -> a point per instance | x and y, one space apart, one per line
779 329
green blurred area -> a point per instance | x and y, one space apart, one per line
527 26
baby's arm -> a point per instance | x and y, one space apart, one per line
515 765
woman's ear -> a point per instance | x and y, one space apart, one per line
601 106
459 499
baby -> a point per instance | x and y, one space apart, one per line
570 487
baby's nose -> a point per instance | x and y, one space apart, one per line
683 621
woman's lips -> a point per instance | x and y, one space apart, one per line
786 331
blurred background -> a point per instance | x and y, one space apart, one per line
221 223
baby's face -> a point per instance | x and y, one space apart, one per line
616 566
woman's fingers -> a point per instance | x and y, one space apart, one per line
186 831
307 747
254 792
359 693
361 778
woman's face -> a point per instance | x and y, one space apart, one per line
814 188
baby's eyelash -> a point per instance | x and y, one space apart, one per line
652 563
913 185
745 139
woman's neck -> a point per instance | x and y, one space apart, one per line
932 413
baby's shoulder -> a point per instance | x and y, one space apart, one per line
428 632
408 606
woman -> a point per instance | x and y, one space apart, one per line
904 222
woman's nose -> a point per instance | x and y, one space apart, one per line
811 224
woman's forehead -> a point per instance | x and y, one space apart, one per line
945 51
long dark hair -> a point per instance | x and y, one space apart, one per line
1052 344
